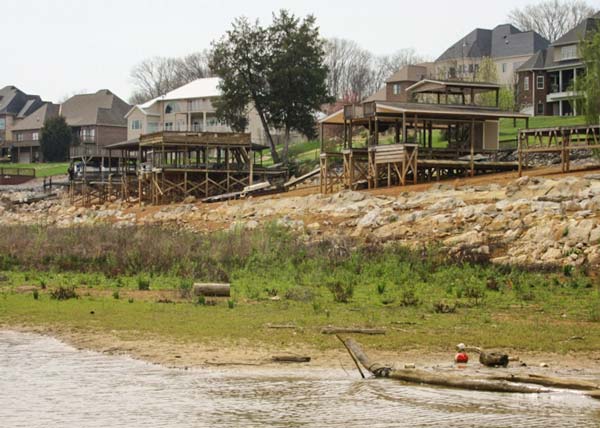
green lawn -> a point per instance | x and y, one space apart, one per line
41 169
509 131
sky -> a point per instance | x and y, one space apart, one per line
56 48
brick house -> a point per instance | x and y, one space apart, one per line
26 134
97 120
546 84
14 106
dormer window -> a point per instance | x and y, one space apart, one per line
170 108
396 89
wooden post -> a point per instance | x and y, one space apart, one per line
520 151
322 138
497 97
397 132
403 128
472 147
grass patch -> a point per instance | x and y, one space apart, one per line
279 279
41 169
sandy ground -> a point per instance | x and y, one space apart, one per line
178 355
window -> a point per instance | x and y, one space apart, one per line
168 126
19 136
540 82
568 52
152 127
2 123
526 83
540 108
170 108
136 124
470 68
396 89
35 136
504 67
476 68
92 132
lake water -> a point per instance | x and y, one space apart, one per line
45 383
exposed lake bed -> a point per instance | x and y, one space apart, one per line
47 382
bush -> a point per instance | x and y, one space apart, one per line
185 288
231 303
143 284
64 293
36 295
116 295
409 298
300 294
444 308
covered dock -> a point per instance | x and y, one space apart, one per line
386 142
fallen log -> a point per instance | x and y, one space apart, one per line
342 330
551 382
437 379
281 326
595 394
212 290
290 359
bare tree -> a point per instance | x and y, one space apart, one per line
355 73
157 76
551 18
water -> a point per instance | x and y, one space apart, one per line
45 383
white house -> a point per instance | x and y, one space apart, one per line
188 108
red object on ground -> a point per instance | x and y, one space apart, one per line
461 358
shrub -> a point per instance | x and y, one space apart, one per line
130 300
185 288
36 295
116 295
201 300
568 270
63 293
381 288
300 294
475 293
409 298
230 303
143 284
444 308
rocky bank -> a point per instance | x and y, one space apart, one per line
530 221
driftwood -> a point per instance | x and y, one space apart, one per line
212 290
341 330
490 359
290 359
281 326
438 379
552 382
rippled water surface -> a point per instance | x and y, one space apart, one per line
45 383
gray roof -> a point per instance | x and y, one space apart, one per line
15 102
503 41
581 31
36 119
544 59
101 108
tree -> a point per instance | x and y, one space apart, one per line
297 75
55 140
488 73
551 18
241 58
589 83
156 76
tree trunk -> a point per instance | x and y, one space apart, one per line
340 330
552 382
263 120
286 145
438 379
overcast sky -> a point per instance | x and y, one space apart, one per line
59 47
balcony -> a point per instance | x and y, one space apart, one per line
565 95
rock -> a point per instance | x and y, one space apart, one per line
472 238
370 220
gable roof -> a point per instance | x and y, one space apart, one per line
36 119
536 62
100 108
207 87
15 102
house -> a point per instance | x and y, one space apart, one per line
189 108
14 106
547 80
97 120
506 45
26 134
396 85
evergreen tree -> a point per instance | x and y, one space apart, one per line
55 140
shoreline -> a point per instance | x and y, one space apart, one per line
184 356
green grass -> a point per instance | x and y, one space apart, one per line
41 169
389 287
509 131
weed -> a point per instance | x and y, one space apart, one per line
381 288
64 293
130 300
568 270
143 284
444 308
231 303
116 295
409 298
185 288
36 295
201 301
